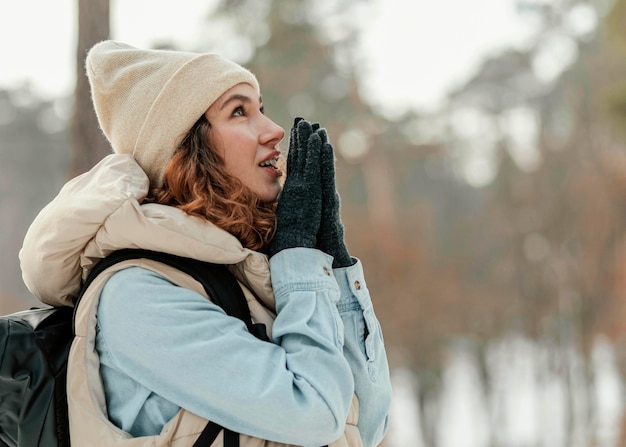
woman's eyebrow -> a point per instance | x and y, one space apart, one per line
237 97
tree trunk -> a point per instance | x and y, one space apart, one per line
88 143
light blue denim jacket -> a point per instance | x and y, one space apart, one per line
163 347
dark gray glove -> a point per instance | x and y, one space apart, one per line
298 212
330 237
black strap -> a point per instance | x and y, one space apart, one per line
231 439
218 282
210 433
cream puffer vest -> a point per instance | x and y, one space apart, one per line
100 212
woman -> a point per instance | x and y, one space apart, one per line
195 173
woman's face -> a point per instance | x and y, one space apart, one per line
247 140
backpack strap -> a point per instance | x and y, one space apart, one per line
217 281
219 284
210 434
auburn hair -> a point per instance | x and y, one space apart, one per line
196 182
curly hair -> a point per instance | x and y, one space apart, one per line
196 182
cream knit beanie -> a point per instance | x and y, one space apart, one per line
147 100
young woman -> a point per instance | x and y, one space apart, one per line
196 173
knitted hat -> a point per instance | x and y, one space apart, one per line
147 100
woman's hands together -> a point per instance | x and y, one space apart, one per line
299 209
330 236
308 211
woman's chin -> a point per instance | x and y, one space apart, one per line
270 195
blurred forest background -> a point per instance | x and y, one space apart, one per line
492 230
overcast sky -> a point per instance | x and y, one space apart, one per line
415 50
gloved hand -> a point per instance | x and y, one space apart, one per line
299 208
330 237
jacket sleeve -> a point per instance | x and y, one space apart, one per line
365 351
187 351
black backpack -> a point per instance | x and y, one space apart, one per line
34 348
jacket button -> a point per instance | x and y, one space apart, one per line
326 271
357 285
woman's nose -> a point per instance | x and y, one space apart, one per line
272 133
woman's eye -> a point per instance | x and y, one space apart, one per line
238 111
